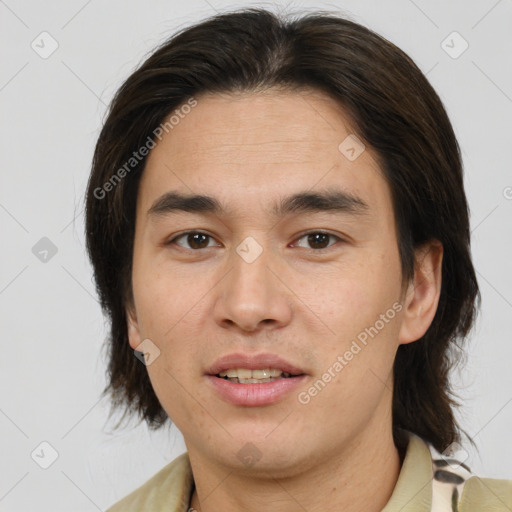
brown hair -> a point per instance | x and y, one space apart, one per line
394 110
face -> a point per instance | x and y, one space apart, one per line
310 286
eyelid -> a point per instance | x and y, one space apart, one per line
322 232
172 241
300 236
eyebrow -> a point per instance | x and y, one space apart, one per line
337 201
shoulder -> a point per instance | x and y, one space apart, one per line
168 490
455 487
486 494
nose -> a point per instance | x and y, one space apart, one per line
252 296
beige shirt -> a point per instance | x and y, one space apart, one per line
171 488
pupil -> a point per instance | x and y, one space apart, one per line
192 239
314 239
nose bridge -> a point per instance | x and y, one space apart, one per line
250 273
252 293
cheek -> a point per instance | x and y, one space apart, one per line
359 305
357 293
160 301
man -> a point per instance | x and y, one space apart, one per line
279 233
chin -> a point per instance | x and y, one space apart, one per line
266 455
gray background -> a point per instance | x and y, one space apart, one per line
52 364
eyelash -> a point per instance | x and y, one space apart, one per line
186 233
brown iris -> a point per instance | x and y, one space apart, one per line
318 238
198 238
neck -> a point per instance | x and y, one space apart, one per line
360 477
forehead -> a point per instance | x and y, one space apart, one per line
237 146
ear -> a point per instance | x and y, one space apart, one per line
423 292
134 336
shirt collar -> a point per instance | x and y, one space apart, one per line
413 489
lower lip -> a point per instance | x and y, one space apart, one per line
253 395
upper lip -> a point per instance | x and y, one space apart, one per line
253 362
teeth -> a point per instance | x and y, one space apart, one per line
243 373
238 374
260 374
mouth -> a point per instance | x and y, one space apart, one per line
253 379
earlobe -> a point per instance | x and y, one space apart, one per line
133 327
422 297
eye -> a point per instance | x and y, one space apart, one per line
198 240
195 239
318 239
